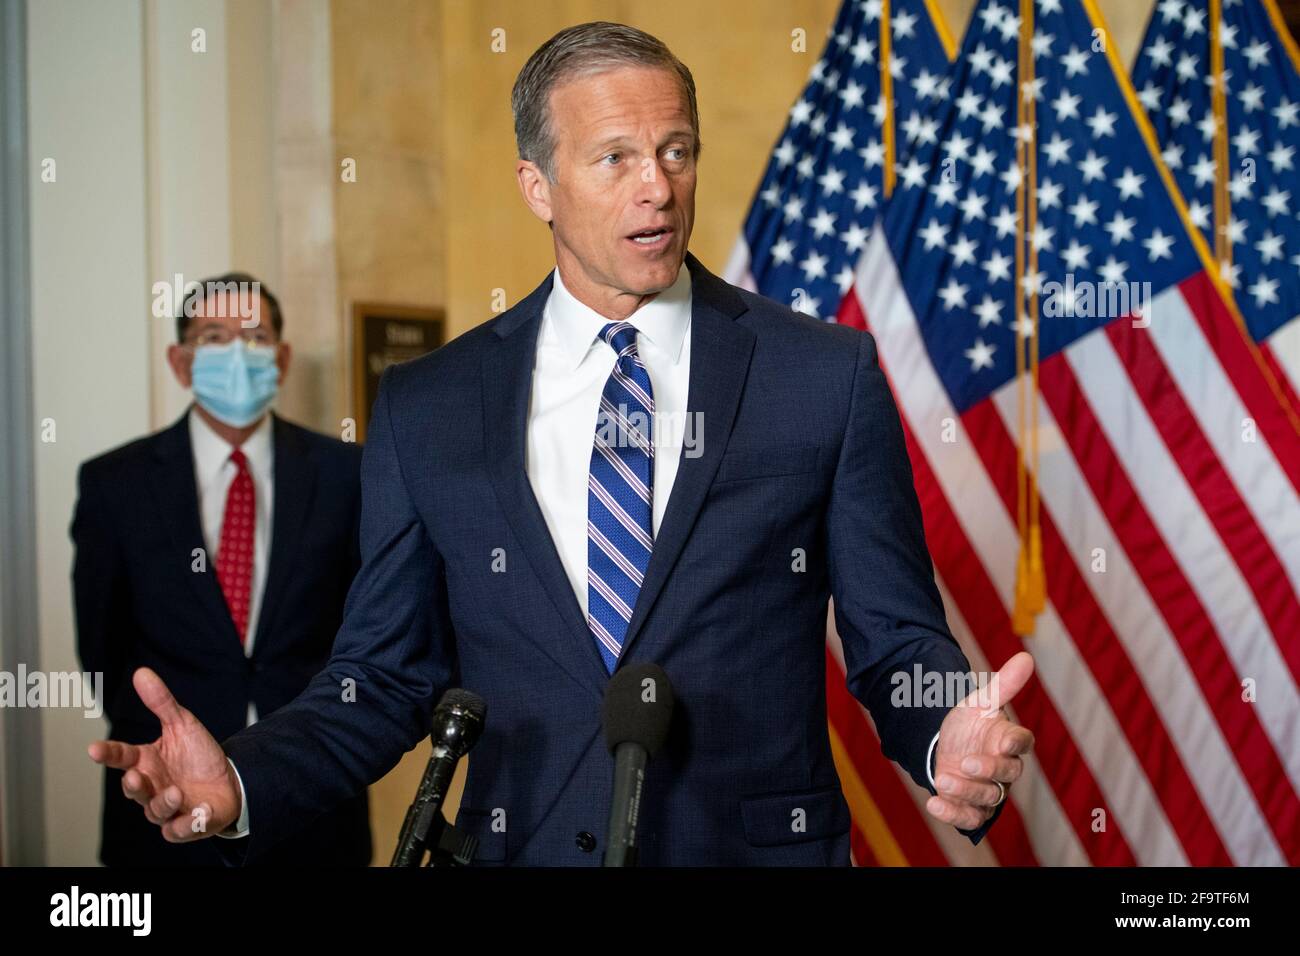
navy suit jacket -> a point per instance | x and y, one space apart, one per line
140 603
802 453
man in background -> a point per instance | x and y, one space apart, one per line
218 552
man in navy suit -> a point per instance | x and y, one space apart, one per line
217 552
636 463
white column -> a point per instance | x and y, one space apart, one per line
90 335
187 127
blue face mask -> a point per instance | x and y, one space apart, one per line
234 383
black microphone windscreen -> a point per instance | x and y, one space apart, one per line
465 701
638 707
458 720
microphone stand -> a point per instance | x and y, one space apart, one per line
426 830
457 723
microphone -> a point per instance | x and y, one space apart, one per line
638 711
457 723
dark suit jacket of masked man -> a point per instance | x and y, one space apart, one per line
140 602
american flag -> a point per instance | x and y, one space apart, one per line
825 182
1163 466
1174 76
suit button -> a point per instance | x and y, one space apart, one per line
586 842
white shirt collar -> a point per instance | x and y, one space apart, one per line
663 320
211 451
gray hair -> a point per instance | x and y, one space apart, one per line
581 51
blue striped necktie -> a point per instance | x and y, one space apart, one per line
619 495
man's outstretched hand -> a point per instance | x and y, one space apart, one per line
979 745
182 780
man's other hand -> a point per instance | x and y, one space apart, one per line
980 748
182 780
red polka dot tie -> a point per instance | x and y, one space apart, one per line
235 553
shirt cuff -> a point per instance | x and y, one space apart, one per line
241 825
929 763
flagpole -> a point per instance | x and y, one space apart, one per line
1219 106
1030 597
887 94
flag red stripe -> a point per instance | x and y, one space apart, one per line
1063 766
1213 487
1280 374
1189 623
861 852
906 824
1104 654
850 312
1230 345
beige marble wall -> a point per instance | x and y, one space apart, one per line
390 223
388 104
305 227
250 66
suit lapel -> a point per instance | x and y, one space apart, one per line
720 354
294 483
507 386
174 490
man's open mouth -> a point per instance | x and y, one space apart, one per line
651 237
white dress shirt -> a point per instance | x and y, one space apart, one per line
213 474
572 366
569 373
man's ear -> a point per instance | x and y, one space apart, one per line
181 360
535 189
283 354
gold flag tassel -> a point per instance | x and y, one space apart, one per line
1031 583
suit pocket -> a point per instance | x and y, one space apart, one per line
775 461
780 819
491 841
